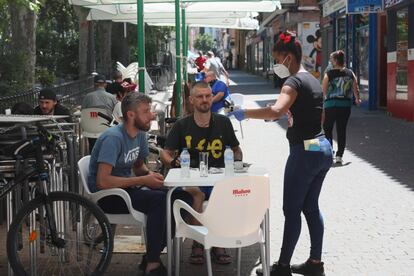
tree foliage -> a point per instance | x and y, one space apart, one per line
57 39
56 43
155 40
203 42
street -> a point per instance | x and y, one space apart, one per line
367 203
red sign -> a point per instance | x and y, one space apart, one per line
241 192
93 114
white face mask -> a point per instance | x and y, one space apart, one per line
281 70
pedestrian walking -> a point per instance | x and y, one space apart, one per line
310 155
338 86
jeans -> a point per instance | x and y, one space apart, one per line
340 116
153 204
304 175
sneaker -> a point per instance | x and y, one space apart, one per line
338 160
309 269
276 270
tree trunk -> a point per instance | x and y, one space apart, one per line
82 13
120 50
103 48
23 41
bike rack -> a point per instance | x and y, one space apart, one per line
62 172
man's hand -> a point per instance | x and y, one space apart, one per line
240 114
175 163
154 180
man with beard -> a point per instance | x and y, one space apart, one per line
48 105
120 149
203 131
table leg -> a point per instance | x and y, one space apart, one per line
169 238
267 238
9 208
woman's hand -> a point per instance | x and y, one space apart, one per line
240 114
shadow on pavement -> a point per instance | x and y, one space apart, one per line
385 142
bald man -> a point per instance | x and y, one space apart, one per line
219 90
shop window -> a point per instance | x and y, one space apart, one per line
402 54
362 55
260 58
341 33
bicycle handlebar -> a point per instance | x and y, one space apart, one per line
26 148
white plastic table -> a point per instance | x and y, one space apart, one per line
28 118
174 180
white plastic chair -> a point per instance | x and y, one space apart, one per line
238 100
232 219
93 125
133 218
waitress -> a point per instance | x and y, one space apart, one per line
310 154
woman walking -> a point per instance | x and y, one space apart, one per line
338 85
310 154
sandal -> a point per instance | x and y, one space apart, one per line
197 254
220 258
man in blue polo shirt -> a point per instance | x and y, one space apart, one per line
220 92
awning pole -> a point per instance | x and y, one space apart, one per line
184 40
178 59
141 45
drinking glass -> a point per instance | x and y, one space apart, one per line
203 164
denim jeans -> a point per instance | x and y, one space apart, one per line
304 175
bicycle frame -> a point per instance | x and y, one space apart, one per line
40 171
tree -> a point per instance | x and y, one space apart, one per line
85 27
23 20
103 48
155 38
57 40
120 47
203 42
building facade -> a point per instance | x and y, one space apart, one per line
400 58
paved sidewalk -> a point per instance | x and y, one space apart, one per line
367 203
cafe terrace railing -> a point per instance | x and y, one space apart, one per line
69 94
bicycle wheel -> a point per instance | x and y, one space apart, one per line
30 247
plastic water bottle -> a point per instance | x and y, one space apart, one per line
185 163
228 161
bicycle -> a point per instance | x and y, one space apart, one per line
46 235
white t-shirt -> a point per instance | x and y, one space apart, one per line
117 113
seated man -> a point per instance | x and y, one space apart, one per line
120 149
201 131
220 92
48 105
100 99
